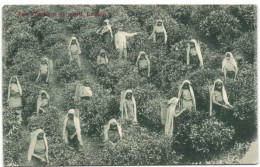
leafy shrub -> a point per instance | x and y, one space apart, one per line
150 116
69 72
246 45
246 15
139 147
116 70
201 138
16 147
221 26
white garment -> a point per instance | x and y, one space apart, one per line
224 95
120 39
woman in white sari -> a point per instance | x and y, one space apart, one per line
74 50
186 96
106 32
143 64
71 129
112 131
46 71
42 102
14 98
194 55
128 106
172 112
159 33
219 100
229 66
38 150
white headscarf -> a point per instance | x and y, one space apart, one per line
146 57
18 85
33 143
39 100
107 127
197 47
108 26
159 29
224 95
169 124
99 56
122 104
191 92
75 112
232 60
74 38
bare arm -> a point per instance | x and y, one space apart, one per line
99 30
215 102
38 75
131 34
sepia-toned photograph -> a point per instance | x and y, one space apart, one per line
129 85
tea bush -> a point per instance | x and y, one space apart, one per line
139 147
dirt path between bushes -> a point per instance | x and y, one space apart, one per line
251 156
91 144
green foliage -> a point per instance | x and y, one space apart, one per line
196 133
221 26
196 136
68 72
139 147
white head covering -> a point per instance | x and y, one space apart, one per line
75 112
99 56
39 100
146 57
197 47
108 26
224 95
107 127
191 92
159 29
33 143
74 38
169 124
232 60
18 85
122 104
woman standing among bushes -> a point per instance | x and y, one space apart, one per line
14 98
112 131
74 50
186 96
229 66
102 61
38 150
171 114
106 32
194 55
71 129
46 70
219 99
128 106
159 33
143 64
42 102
